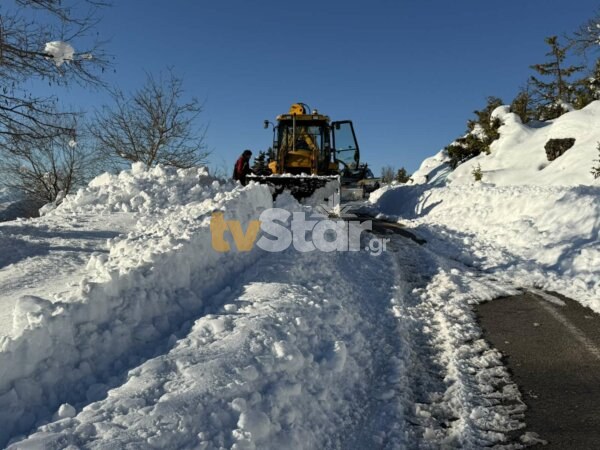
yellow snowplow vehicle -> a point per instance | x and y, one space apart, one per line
308 152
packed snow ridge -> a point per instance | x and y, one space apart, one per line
146 284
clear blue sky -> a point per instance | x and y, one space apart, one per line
408 73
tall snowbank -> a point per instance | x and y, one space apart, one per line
518 157
542 236
148 284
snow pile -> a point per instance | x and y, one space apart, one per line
540 236
142 190
518 157
433 170
531 220
328 194
60 51
150 281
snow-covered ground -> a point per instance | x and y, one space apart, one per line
124 328
529 220
106 286
47 258
532 236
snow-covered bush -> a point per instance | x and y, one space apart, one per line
596 170
477 173
480 135
555 148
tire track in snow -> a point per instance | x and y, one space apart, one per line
480 406
456 391
390 420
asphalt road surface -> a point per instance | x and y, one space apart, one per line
552 347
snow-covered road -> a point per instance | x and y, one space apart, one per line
315 350
132 331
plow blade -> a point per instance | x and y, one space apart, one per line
300 186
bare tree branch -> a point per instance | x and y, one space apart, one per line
23 57
45 169
153 126
587 37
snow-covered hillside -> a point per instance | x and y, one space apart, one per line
518 157
529 220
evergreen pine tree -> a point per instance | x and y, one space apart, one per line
260 163
587 36
480 134
402 176
588 88
486 123
553 96
521 105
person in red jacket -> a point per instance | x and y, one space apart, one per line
242 167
